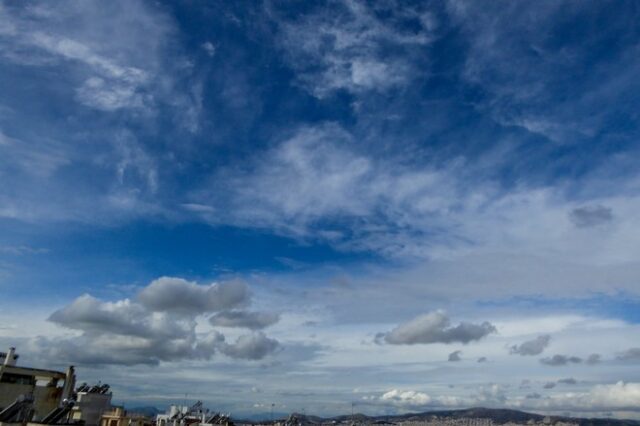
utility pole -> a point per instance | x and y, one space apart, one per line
272 405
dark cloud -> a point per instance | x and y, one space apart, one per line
534 395
549 385
250 346
434 327
630 355
594 359
482 359
90 349
558 360
531 347
588 216
379 338
244 319
168 294
454 356
568 381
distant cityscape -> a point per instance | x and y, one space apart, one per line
34 396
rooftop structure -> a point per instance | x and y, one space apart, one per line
45 390
196 415
91 403
118 416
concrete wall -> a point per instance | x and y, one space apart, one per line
46 398
91 407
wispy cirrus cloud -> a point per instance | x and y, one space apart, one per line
108 70
348 45
521 62
94 65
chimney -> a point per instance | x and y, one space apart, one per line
10 361
69 384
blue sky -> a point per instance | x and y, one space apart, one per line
317 203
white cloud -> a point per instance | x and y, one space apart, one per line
159 327
410 398
619 396
123 318
315 182
42 162
616 396
120 57
353 49
209 47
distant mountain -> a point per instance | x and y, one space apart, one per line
499 416
262 417
145 411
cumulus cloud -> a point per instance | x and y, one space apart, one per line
250 346
244 319
122 318
119 349
531 347
152 329
588 216
169 294
558 360
630 355
492 394
409 398
619 396
435 327
454 356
